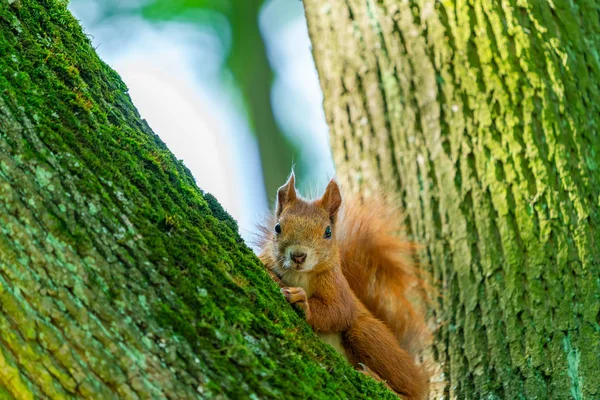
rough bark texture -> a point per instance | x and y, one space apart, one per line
119 278
484 117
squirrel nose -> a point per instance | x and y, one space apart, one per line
298 257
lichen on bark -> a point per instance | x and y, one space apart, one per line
483 116
119 278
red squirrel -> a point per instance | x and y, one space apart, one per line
344 268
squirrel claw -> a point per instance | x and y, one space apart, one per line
362 368
294 294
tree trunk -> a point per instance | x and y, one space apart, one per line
483 116
250 67
119 278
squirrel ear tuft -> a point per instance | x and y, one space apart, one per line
332 199
286 194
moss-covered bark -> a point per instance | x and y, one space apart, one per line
484 117
119 278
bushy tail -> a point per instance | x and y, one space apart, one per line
370 343
377 263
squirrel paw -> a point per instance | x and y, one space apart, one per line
363 368
296 296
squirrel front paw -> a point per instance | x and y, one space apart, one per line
297 297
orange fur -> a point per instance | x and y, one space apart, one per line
370 342
356 263
377 262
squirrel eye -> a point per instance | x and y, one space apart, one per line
327 234
278 228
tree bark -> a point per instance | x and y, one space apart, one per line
119 278
483 117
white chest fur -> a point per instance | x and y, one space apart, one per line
335 341
297 279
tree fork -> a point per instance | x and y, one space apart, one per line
119 278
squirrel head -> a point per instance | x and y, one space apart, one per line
304 233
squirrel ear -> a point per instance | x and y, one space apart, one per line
286 194
332 199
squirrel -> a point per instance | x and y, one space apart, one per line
344 267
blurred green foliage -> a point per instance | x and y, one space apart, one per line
246 61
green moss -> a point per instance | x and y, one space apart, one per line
143 284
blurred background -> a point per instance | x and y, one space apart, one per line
229 85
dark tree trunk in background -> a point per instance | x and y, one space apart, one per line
250 67
483 117
247 63
119 278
